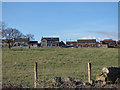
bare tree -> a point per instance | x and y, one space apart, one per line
2 26
30 36
11 34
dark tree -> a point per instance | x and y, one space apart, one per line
10 34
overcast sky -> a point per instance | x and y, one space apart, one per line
67 20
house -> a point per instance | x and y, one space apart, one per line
17 42
71 44
118 44
21 42
39 44
4 43
109 42
83 43
98 44
33 43
62 44
50 42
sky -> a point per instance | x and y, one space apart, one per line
67 20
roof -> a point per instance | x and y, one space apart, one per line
5 40
118 41
108 40
33 41
97 42
22 39
51 38
86 40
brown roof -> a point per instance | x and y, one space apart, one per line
22 39
68 42
108 40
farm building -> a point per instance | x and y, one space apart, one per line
21 42
50 42
33 43
108 43
86 43
71 44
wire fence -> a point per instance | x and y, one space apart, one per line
25 75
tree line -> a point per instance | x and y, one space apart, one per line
12 34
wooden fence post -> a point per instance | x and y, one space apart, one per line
89 72
35 72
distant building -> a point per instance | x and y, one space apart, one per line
98 44
62 44
83 43
50 42
4 43
39 44
109 42
33 43
118 44
17 42
21 42
71 44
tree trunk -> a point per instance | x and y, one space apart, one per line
9 46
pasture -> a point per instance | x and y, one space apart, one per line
18 64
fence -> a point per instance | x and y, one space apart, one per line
37 75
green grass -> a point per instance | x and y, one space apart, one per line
18 64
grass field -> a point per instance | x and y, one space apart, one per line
18 64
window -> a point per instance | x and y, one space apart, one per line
106 42
80 45
71 44
43 40
49 45
53 45
43 45
53 41
48 42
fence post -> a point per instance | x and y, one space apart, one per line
89 72
35 72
